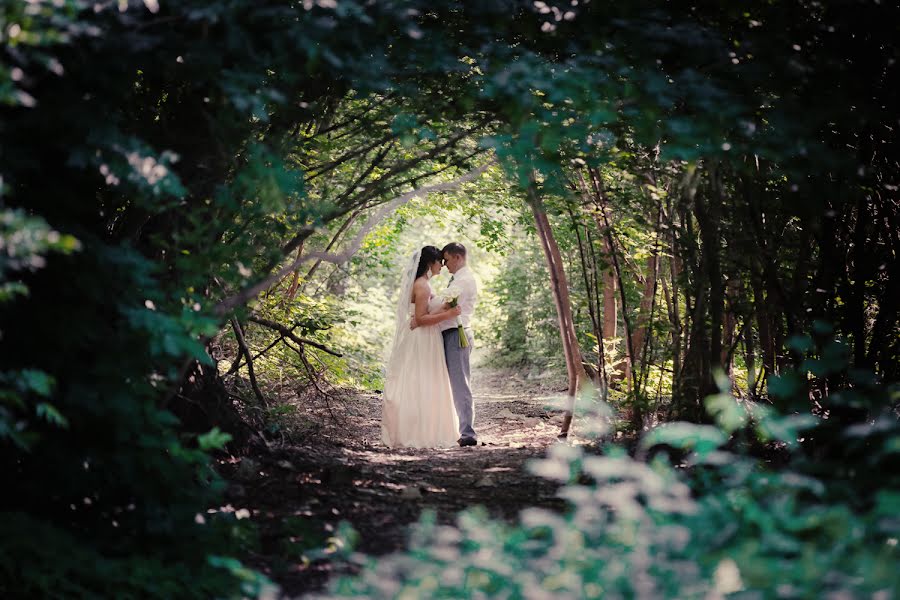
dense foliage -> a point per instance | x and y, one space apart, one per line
168 171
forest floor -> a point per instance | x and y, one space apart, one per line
331 466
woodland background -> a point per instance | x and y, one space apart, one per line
688 209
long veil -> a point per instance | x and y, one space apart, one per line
402 312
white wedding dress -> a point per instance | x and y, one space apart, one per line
418 407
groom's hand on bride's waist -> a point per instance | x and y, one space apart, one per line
412 323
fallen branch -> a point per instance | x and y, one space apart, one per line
289 334
270 346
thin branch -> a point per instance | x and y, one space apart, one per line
242 344
235 365
295 280
318 171
289 334
265 350
314 378
379 158
331 243
385 210
355 118
602 205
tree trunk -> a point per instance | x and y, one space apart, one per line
749 348
674 314
610 301
688 278
560 288
589 274
708 212
610 288
732 294
763 325
643 321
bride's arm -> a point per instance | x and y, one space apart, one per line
423 318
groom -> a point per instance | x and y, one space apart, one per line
462 281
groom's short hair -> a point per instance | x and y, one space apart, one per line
454 248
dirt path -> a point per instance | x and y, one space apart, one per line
334 468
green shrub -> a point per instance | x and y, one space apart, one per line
719 519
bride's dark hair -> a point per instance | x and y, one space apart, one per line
429 255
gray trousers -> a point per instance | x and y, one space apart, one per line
458 368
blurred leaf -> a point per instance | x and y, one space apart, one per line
214 439
702 439
729 415
49 413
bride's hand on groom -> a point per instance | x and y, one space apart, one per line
451 313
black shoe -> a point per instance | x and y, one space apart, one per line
467 441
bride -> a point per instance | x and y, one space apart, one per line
418 407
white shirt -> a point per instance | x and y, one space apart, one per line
464 283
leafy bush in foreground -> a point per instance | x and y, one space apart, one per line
722 522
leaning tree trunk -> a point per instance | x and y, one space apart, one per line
560 287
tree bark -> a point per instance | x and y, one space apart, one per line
763 324
610 291
732 294
560 288
242 345
589 274
643 321
708 213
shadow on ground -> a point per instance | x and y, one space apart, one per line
331 466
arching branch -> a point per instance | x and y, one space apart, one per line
354 246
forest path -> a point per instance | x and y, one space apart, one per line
333 467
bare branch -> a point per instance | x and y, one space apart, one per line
319 170
289 333
242 344
390 207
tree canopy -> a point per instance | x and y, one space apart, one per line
719 182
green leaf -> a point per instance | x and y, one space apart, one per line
49 413
702 439
774 427
784 386
728 413
37 381
800 343
214 439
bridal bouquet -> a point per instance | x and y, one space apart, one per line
451 297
